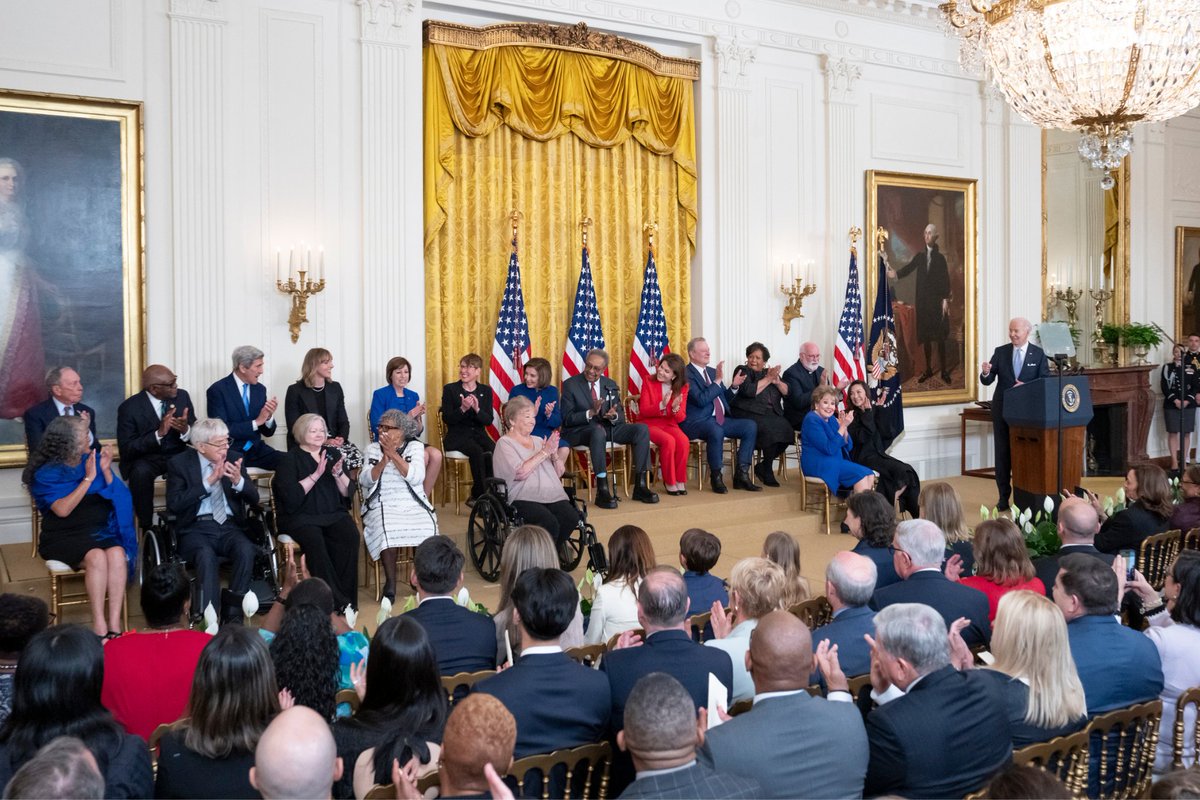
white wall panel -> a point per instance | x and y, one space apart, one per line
914 131
80 38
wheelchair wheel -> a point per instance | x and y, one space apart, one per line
486 530
570 552
151 555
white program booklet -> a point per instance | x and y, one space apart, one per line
718 695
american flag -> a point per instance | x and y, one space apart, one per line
848 351
650 337
511 348
586 332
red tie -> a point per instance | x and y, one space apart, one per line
718 406
595 397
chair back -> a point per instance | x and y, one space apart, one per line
1189 698
588 655
155 737
741 707
387 791
1191 539
350 697
1066 757
586 766
813 612
1156 554
467 680
1122 746
697 623
612 640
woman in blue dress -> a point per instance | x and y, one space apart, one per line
544 396
825 445
397 395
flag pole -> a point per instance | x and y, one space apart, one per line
649 229
584 224
515 219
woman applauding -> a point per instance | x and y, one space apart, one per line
396 395
825 444
662 407
538 390
870 437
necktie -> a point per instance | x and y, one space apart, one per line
246 397
162 408
1018 362
718 406
68 411
216 494
595 396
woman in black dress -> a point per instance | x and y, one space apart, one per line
318 393
1179 383
467 412
758 395
871 436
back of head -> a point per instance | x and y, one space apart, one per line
59 445
480 731
760 586
700 550
781 653
878 517
940 505
64 768
312 592
305 654
1025 782
1186 574
402 676
527 546
438 564
21 616
1078 521
233 696
660 716
853 577
915 633
1092 581
1178 784
663 598
630 555
782 548
923 541
1000 552
1153 489
296 757
165 593
546 600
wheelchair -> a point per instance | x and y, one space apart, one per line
493 518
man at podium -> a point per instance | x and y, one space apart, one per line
1014 363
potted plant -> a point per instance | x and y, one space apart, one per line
1140 338
1110 335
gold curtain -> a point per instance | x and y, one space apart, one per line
495 125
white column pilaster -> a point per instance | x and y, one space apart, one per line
993 244
843 179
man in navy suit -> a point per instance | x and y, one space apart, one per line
556 701
918 552
708 419
849 584
152 426
463 640
66 390
801 378
1078 524
1014 363
241 401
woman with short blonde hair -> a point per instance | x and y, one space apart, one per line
757 586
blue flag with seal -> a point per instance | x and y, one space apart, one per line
883 375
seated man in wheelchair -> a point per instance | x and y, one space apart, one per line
208 496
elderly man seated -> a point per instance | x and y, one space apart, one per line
152 426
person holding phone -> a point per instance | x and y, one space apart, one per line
1149 508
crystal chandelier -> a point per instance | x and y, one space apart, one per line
1095 66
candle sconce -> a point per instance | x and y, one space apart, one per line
795 293
1101 348
1069 298
300 287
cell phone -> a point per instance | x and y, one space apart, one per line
1079 491
1130 557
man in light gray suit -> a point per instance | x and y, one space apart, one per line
793 744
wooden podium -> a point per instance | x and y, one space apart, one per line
1032 411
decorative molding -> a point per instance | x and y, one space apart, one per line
1156 133
578 38
208 10
733 58
840 77
383 21
113 70
993 102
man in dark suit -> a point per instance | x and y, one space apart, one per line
790 742
1078 523
918 552
66 390
591 406
801 378
661 734
152 426
557 702
933 301
849 584
208 494
463 640
936 732
241 401
708 419
1014 363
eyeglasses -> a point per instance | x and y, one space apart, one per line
892 550
166 385
388 428
219 444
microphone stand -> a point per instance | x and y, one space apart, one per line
1060 363
609 403
1183 393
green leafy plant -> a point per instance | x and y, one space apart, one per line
1135 334
1039 531
1110 334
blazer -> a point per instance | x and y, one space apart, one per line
696 781
556 702
794 745
951 600
452 414
652 394
885 565
1046 567
137 424
1127 528
186 489
800 382
463 640
702 394
577 401
846 630
225 403
1002 373
38 417
1118 666
946 737
302 399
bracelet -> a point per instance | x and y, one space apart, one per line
1157 609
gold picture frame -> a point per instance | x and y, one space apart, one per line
904 204
1187 252
72 253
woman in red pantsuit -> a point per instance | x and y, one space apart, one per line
662 407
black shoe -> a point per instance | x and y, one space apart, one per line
742 480
641 492
767 476
717 483
925 376
946 377
603 498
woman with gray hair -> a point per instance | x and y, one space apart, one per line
396 511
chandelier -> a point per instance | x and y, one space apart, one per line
1094 66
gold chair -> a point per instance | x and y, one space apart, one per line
741 707
813 612
456 467
155 737
1156 554
1189 698
619 457
1065 757
1191 539
349 697
1126 739
595 759
452 683
60 573
697 622
815 496
612 640
589 654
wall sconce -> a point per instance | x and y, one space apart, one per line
297 283
795 292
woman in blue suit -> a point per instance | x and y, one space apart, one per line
825 445
544 396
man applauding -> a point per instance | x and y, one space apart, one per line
152 426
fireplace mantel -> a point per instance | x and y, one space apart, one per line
1128 387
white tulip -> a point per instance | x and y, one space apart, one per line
385 611
984 513
464 597
210 620
1048 504
249 604
1121 494
351 616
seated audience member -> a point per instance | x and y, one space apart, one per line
403 704
919 548
462 640
397 396
1078 524
305 654
849 584
699 551
802 378
615 604
871 519
296 757
1117 665
1187 514
525 548
756 588
316 392
57 693
1149 508
467 411
21 616
301 589
557 702
209 491
209 751
1002 563
480 733
790 742
661 734
64 768
871 437
532 469
1026 782
940 505
66 390
825 445
396 511
87 516
782 548
709 419
152 427
242 402
1175 631
148 674
662 406
759 394
311 486
593 416
542 395
946 732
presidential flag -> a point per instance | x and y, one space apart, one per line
848 350
650 336
510 351
884 358
586 332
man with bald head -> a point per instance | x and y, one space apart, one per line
1078 524
1012 364
932 302
793 744
296 757
66 391
152 427
849 584
801 378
